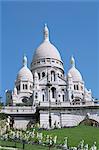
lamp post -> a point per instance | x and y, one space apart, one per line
23 142
15 140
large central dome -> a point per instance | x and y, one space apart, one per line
46 49
46 55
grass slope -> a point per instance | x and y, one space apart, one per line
88 133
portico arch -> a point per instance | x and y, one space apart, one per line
90 122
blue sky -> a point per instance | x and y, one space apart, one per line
74 30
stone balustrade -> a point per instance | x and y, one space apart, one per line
66 104
18 110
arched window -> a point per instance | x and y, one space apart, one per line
30 87
43 97
39 75
26 86
23 86
53 92
72 96
43 74
52 76
36 95
63 98
77 87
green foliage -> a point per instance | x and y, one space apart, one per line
3 116
0 107
1 104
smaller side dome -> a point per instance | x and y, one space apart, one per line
25 74
76 75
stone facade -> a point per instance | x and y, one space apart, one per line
46 88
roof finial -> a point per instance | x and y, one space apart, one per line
24 60
72 61
46 33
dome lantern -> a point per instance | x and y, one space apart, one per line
46 33
25 61
72 61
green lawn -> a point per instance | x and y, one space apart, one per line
88 133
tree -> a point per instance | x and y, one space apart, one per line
1 103
3 116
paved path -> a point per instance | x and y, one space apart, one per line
9 148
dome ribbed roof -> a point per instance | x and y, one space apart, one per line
25 74
76 76
46 50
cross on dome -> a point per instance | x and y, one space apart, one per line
24 61
46 33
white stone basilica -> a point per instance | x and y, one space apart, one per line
58 99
